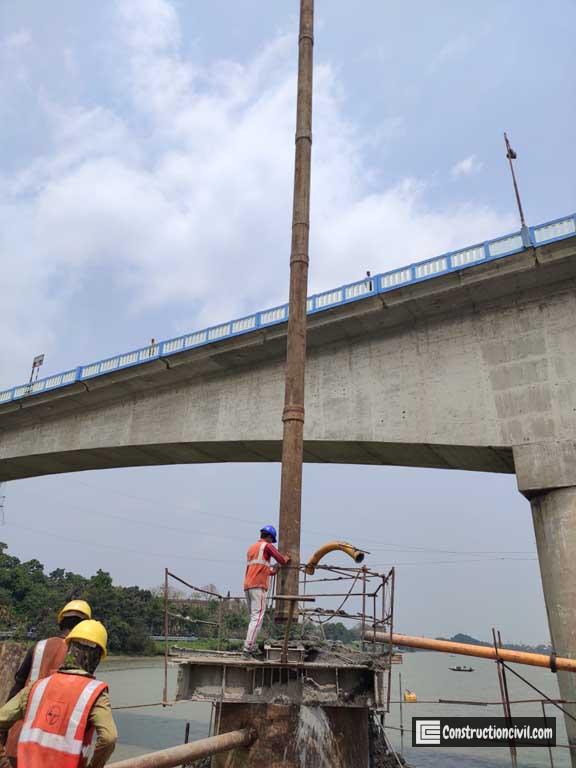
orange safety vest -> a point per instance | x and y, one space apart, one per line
56 733
257 568
48 656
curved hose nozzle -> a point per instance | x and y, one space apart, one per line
356 554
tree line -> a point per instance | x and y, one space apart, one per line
30 599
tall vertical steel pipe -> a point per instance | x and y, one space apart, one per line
293 414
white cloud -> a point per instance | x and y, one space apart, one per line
14 49
181 192
469 166
11 44
451 52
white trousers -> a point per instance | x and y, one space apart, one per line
256 601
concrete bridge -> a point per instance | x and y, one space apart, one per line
466 361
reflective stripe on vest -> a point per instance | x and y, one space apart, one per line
47 656
72 742
37 661
260 558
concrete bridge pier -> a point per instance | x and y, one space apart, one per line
554 516
546 475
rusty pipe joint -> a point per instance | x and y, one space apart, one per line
341 546
293 413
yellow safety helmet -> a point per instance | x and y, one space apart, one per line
90 632
76 608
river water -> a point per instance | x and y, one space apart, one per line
139 681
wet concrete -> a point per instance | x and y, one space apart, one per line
297 737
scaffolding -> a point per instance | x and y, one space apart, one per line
360 596
503 658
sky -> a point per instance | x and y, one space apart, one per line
145 190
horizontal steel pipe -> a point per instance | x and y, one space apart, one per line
480 651
188 753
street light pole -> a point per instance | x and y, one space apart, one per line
511 155
293 414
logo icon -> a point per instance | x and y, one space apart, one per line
427 732
53 715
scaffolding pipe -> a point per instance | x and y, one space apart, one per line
188 753
333 546
165 689
552 662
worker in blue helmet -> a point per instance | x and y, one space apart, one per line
257 580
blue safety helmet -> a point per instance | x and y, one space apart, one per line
270 530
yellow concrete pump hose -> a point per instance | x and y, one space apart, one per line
356 554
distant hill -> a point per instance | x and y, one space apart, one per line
463 638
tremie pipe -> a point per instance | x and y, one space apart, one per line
480 651
332 546
187 753
293 414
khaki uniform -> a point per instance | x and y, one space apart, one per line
100 718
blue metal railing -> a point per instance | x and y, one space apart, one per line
551 231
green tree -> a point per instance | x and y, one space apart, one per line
30 600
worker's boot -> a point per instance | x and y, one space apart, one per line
252 653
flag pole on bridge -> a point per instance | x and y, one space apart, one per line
293 414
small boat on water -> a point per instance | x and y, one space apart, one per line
461 669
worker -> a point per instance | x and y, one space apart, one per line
257 580
43 658
67 718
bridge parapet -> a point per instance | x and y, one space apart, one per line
455 261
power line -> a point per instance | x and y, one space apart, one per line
166 556
367 543
457 562
389 546
397 548
408 548
156 502
191 557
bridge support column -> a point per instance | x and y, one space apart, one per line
554 516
